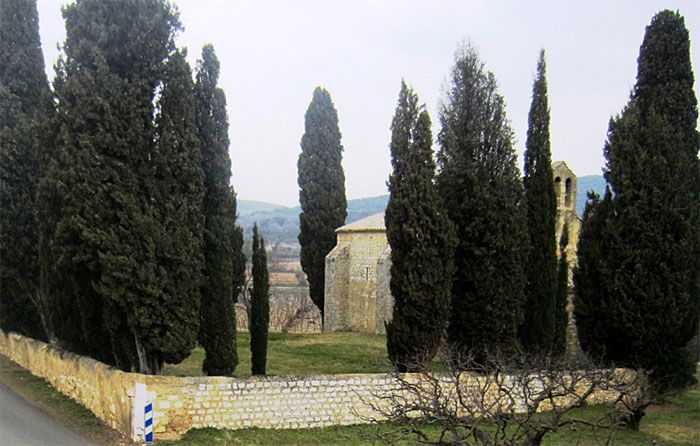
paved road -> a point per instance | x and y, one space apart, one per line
23 424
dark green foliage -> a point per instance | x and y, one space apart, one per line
593 276
421 238
22 84
177 205
561 316
322 190
77 188
217 333
109 225
537 330
480 185
259 306
238 258
651 266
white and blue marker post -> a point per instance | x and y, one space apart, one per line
148 423
142 414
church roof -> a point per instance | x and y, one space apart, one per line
556 164
373 223
561 166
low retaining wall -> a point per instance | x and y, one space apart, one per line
104 390
180 404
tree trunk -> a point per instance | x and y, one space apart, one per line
633 420
38 298
535 439
149 363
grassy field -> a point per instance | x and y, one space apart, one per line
303 354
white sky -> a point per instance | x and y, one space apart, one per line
274 53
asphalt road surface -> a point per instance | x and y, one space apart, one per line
23 424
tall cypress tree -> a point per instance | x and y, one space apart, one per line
259 305
421 239
537 329
217 332
239 259
322 190
104 242
652 298
178 196
593 276
22 83
561 316
481 188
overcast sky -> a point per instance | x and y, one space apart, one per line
274 53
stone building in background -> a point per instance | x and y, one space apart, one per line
565 190
357 278
357 293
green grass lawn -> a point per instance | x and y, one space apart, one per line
303 354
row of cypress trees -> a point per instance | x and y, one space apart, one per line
125 173
637 284
473 248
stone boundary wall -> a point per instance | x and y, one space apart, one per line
183 403
104 390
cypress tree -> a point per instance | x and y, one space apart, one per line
537 330
22 84
653 295
561 316
481 188
106 232
322 190
593 278
217 332
259 305
239 259
421 239
178 195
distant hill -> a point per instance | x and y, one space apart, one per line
596 183
280 224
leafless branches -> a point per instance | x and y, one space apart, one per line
291 310
503 403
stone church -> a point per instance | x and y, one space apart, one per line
357 294
357 278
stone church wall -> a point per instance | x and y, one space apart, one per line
385 302
351 281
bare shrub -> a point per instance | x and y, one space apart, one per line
503 402
291 311
294 312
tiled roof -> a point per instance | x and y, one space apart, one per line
373 223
